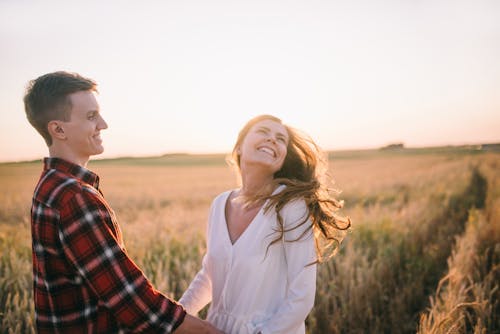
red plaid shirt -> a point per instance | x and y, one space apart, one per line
84 281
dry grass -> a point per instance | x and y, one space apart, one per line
408 214
163 200
467 299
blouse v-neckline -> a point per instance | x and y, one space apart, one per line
226 223
252 222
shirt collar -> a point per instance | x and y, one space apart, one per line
75 170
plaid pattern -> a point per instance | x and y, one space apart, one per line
83 279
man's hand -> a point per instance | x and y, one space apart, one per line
193 325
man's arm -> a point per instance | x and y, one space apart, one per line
89 240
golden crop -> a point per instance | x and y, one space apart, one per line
416 219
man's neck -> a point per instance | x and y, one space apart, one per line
58 152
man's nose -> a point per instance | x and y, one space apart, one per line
102 124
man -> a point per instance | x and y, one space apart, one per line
84 281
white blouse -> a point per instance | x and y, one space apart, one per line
251 291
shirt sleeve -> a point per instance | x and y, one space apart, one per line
301 274
90 242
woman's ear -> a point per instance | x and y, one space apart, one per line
56 130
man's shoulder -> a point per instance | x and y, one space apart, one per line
56 187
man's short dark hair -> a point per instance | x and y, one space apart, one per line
46 99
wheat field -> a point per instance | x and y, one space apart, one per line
423 255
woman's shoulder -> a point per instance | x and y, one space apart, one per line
295 209
296 219
221 198
297 202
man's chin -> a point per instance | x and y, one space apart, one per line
98 151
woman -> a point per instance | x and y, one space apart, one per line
265 238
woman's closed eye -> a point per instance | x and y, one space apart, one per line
281 139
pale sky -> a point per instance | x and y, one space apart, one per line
185 75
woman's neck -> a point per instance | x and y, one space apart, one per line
255 183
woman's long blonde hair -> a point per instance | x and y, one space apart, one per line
305 175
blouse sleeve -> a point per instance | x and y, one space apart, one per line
199 292
301 274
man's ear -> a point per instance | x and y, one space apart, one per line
56 130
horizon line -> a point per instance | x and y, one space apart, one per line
386 148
